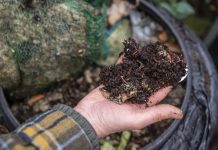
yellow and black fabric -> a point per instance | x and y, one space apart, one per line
60 128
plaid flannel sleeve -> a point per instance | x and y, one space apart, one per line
58 128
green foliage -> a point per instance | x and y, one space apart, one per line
124 140
97 3
180 9
94 33
105 145
109 145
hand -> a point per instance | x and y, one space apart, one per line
107 117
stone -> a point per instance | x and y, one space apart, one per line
9 76
45 42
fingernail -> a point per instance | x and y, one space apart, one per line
178 114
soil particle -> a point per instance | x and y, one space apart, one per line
144 70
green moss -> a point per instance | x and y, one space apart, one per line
95 27
97 3
25 51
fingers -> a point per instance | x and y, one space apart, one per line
155 114
158 96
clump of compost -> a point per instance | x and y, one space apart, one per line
143 71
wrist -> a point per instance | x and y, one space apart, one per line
92 120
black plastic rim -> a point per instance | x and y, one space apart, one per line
10 120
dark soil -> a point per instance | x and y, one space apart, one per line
144 70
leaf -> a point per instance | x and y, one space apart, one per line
168 7
124 140
180 9
184 9
106 145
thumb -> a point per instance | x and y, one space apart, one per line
150 115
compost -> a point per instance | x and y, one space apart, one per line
143 71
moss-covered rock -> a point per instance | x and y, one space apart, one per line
44 41
9 76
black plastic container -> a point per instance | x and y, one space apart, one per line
10 120
200 103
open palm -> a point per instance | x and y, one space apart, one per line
107 117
